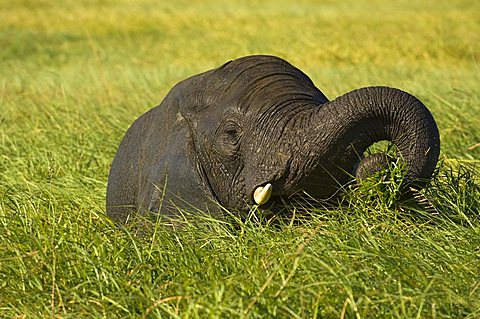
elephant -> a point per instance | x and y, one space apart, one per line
256 130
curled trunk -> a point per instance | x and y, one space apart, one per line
346 127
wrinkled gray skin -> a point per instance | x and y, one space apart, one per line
219 135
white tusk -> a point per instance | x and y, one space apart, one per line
261 195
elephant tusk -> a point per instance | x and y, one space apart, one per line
261 195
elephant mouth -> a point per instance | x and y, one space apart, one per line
276 185
267 192
288 186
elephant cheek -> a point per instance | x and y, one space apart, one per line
229 189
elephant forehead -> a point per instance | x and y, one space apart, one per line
259 81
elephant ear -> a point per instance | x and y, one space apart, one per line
155 170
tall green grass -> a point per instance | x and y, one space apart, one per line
75 74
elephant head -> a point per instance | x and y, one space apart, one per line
257 128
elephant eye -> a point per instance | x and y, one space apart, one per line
230 134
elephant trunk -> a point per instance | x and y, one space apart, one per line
346 127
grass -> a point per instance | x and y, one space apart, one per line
75 74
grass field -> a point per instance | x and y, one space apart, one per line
75 74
